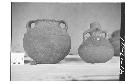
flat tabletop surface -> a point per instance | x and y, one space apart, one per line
72 68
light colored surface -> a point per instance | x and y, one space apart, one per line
74 69
17 58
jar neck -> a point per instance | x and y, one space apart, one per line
46 22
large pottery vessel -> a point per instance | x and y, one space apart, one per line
47 41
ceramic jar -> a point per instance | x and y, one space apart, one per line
47 41
95 48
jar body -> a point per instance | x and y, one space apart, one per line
95 48
47 43
96 51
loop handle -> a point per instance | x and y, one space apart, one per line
88 31
66 26
104 33
28 25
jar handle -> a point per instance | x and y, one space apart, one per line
88 31
105 33
63 22
28 25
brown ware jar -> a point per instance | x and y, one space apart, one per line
95 48
47 42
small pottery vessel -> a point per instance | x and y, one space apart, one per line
95 48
